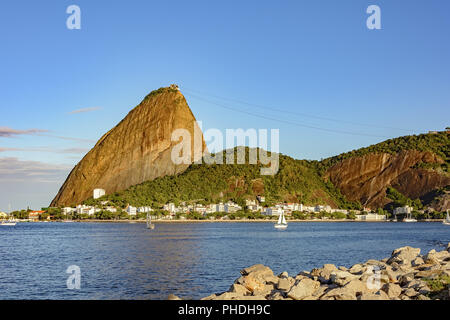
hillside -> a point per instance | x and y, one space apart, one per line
416 166
297 180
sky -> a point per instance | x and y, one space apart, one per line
311 69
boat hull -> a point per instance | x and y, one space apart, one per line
280 226
8 224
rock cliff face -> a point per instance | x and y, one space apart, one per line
136 150
366 178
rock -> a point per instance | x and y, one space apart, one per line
342 277
379 295
405 279
365 178
410 292
284 274
303 288
404 255
393 290
431 258
356 269
266 290
429 274
448 247
253 283
392 276
417 262
210 297
257 269
284 284
136 150
239 289
173 297
422 297
251 298
228 296
343 268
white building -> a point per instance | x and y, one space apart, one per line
273 211
99 193
220 207
170 207
111 209
371 217
131 210
403 210
144 209
68 210
83 209
232 207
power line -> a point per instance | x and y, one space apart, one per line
297 113
284 121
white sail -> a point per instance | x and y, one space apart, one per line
448 217
280 218
283 220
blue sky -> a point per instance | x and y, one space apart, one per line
315 60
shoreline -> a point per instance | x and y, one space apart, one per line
405 275
228 221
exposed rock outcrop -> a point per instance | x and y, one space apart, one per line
136 150
366 178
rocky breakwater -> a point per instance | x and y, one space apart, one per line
405 275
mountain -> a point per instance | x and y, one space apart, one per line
132 162
138 149
415 166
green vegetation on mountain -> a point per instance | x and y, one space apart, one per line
437 143
297 180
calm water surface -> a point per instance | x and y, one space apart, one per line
127 261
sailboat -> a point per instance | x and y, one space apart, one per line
409 218
150 225
447 220
8 223
281 224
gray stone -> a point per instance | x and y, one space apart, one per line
393 290
303 289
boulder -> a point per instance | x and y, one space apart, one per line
404 255
393 290
379 295
410 292
303 289
228 296
253 283
257 270
342 277
356 269
432 274
284 284
417 262
431 257
173 297
239 289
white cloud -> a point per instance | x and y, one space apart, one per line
15 170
